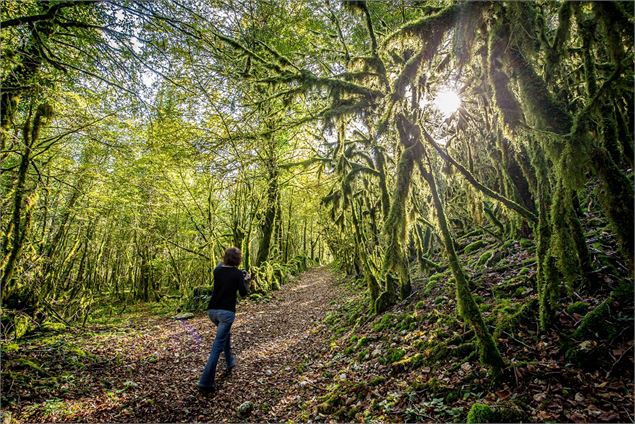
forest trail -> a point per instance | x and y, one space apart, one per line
152 371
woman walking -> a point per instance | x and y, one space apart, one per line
228 280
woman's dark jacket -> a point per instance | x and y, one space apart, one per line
227 281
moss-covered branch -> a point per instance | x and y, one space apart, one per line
478 185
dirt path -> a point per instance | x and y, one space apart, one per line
151 372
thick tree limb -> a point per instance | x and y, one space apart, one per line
478 185
48 15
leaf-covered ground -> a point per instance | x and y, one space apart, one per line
314 353
418 362
147 370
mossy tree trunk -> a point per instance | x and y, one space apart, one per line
467 307
395 273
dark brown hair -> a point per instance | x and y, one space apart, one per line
232 257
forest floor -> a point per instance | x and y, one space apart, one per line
147 370
313 352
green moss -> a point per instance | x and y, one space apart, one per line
54 326
484 258
579 307
10 347
528 261
376 381
393 355
363 355
383 323
433 280
27 363
526 243
408 322
474 246
440 300
410 362
452 396
363 341
507 244
481 413
509 314
593 321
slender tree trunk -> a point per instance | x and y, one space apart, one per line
467 307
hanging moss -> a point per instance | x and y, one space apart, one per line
469 19
474 182
395 224
618 28
422 27
538 104
545 272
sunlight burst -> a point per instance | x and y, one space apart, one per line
447 101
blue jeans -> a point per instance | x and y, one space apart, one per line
223 320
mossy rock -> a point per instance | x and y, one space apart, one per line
484 258
504 412
245 408
474 246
